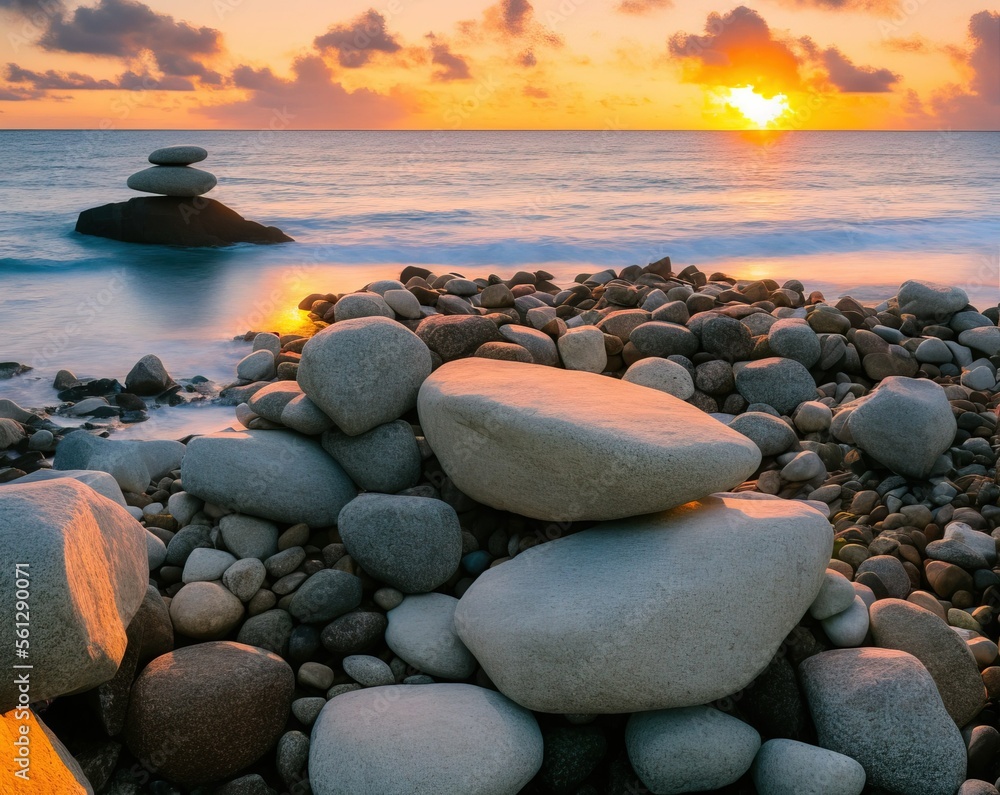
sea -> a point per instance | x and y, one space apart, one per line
845 212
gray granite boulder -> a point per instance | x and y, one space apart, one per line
364 372
906 423
566 446
423 740
411 543
79 562
930 301
788 767
278 475
780 383
771 434
386 458
611 619
120 459
882 708
101 482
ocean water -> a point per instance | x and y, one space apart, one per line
846 213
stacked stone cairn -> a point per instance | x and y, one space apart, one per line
654 532
172 175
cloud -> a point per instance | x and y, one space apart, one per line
878 7
914 43
856 79
737 48
528 59
513 20
535 93
310 99
453 67
34 8
14 94
642 7
977 105
77 81
356 42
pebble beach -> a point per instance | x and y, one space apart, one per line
654 530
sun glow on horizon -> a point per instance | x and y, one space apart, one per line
755 107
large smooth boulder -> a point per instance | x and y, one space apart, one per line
567 446
930 301
906 423
173 181
120 459
691 749
613 619
101 482
881 707
201 713
411 543
86 569
175 221
423 740
277 475
896 624
364 372
780 383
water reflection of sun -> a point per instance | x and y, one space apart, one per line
761 111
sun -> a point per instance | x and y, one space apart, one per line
755 107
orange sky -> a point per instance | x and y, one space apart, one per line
547 64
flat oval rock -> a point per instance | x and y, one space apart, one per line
173 181
181 155
558 445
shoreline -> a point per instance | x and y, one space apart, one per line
522 436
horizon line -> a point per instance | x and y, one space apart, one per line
497 130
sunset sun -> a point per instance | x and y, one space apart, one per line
755 107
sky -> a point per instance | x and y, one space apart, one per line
504 64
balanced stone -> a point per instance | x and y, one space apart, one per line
423 740
567 446
906 423
411 543
173 181
84 560
882 708
276 475
201 713
422 632
691 749
178 155
364 372
621 595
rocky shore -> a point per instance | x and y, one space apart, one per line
648 532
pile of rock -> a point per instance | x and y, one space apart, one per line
497 536
178 216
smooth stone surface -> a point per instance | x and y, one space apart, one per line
788 767
148 377
890 571
51 767
122 460
771 434
386 458
904 626
882 708
540 345
411 543
205 611
780 383
905 423
201 713
556 641
248 536
205 565
835 596
87 566
256 366
358 305
793 338
692 749
302 415
423 740
985 340
244 578
276 475
930 301
325 595
583 349
547 443
101 482
403 303
364 372
661 374
178 155
173 181
422 632
849 627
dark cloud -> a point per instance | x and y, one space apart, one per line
737 48
310 99
510 17
13 94
977 106
641 7
77 81
34 9
356 42
528 59
857 79
878 7
453 67
914 43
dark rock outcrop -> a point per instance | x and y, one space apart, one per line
175 221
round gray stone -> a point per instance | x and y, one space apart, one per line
386 458
325 595
422 632
172 181
780 383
